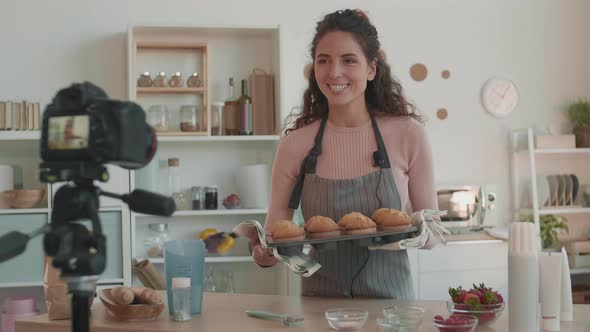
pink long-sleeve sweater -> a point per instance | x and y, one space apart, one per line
348 153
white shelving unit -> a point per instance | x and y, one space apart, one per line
204 159
541 162
21 148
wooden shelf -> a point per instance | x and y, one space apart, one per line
19 135
558 210
165 90
201 138
221 259
219 212
24 211
170 45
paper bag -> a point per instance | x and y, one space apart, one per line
263 103
56 294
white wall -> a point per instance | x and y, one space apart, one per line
543 45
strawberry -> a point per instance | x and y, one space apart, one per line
471 299
476 293
499 298
457 294
489 297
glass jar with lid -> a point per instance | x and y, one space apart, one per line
189 118
154 243
158 117
176 81
144 80
194 81
160 80
198 198
211 197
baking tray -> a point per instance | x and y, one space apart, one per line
380 237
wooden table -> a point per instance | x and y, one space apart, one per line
225 312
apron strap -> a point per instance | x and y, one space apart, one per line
308 166
380 157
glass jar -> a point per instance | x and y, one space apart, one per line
175 183
144 80
154 243
198 198
217 118
194 81
160 80
189 118
176 81
211 198
158 117
181 299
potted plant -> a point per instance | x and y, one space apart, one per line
551 226
579 114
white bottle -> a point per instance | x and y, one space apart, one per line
523 277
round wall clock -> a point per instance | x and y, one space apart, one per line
499 96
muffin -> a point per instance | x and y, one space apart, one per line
357 223
287 230
321 227
392 219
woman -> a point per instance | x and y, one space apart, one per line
356 146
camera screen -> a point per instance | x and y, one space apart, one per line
68 132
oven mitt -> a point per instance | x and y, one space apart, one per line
301 263
431 232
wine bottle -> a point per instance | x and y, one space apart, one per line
245 104
232 113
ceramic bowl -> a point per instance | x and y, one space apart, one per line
24 198
346 319
130 312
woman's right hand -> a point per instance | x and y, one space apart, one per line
262 256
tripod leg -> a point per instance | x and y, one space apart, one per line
80 312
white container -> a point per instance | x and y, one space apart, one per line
523 277
550 277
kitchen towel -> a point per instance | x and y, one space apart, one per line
252 184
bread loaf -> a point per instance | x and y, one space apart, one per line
391 218
357 223
286 229
122 295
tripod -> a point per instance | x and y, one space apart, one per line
78 252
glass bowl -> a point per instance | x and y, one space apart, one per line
487 314
346 319
467 324
400 318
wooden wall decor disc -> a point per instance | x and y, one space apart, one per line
442 113
418 72
445 74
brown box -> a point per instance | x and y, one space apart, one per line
263 102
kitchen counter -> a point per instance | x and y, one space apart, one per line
225 312
471 238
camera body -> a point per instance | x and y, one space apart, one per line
82 125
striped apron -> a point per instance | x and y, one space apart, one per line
351 270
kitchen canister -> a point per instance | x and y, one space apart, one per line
252 184
148 177
6 183
17 307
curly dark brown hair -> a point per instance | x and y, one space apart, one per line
383 94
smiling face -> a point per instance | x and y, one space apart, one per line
342 70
